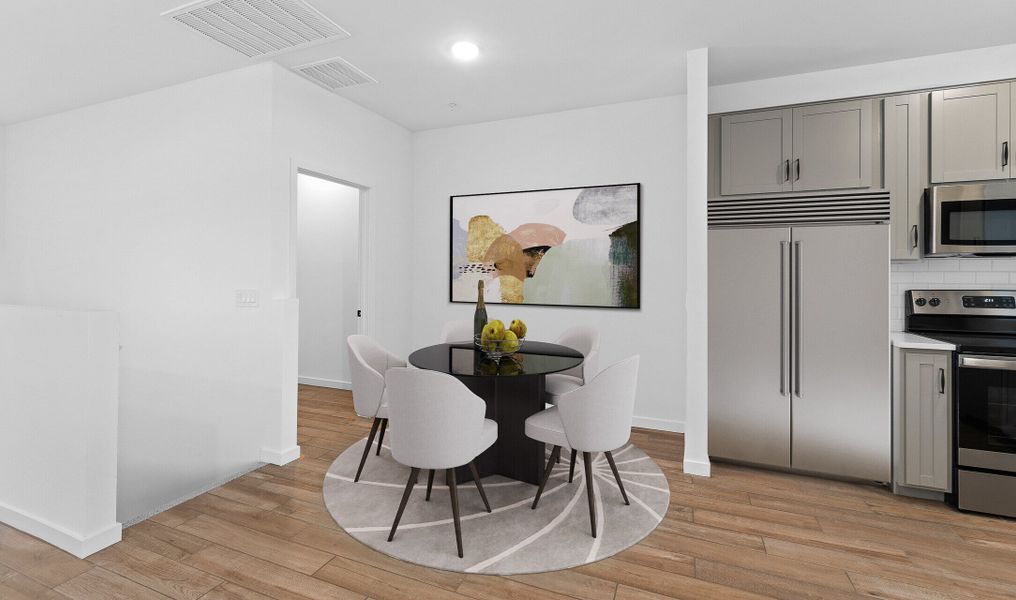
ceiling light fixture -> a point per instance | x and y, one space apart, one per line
465 50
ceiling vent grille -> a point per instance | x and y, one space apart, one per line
258 27
334 74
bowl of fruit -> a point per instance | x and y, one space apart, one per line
497 341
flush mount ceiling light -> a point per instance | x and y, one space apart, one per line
465 50
258 28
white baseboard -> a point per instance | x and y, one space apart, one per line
77 544
280 457
328 383
658 424
696 467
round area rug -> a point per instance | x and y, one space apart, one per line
513 539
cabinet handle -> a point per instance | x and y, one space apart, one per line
941 381
1005 153
797 169
914 232
786 170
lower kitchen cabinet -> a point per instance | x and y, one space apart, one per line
926 426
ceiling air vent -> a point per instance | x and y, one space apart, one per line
258 27
334 74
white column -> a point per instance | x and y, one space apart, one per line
696 436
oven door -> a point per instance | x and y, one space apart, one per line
971 219
986 412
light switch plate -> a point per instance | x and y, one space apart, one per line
246 298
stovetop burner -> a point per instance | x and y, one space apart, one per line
976 321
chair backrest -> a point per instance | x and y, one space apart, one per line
457 331
597 416
368 362
436 420
586 340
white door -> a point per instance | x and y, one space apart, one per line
327 281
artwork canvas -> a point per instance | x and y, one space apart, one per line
559 247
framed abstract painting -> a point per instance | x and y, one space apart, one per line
575 246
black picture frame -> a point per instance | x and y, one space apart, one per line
638 244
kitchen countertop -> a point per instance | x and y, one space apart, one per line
911 341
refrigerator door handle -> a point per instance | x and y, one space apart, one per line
796 285
784 319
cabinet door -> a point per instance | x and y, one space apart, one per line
755 152
842 407
749 396
927 439
906 171
970 133
832 146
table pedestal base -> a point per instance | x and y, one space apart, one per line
510 401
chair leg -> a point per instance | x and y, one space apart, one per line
555 454
617 477
479 485
453 491
381 437
430 483
571 471
588 459
405 498
366 449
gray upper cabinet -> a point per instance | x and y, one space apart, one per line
927 431
970 133
906 170
755 152
832 146
817 147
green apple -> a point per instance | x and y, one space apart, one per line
518 328
511 342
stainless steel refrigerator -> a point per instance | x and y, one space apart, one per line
799 360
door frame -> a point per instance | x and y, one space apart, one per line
365 243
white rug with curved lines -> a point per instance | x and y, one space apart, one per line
513 539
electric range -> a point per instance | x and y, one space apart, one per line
982 326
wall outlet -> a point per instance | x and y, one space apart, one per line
246 298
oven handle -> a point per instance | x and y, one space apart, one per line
975 361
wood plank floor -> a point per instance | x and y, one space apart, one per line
743 533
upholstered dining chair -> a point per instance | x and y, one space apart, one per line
441 425
593 418
587 341
457 331
368 362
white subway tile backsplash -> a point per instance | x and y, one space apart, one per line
972 264
992 277
946 273
944 264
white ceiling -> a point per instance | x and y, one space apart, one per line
537 56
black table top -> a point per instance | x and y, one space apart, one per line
462 359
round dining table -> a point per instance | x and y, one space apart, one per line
513 390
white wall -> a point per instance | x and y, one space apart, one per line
631 142
940 70
327 283
156 206
58 431
327 134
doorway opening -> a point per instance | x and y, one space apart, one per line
328 276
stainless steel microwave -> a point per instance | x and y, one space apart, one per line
971 219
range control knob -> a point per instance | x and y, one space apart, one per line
934 302
920 301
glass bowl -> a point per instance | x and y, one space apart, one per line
496 349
